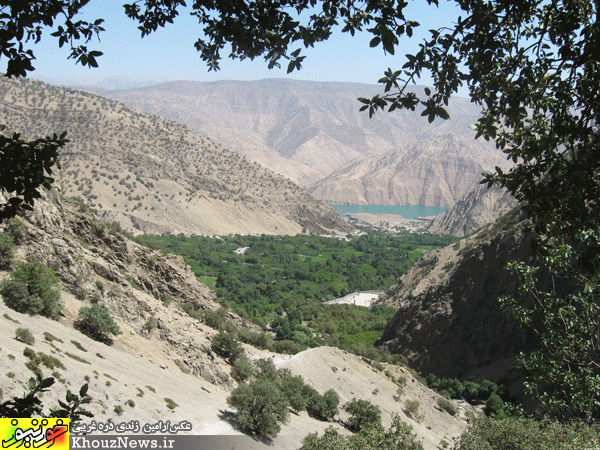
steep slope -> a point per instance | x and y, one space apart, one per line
449 320
172 359
307 130
474 210
434 172
153 175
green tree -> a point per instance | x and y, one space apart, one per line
528 434
398 437
292 388
363 414
7 246
261 407
97 322
225 345
322 407
32 288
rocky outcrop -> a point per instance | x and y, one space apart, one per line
435 172
474 210
143 289
449 319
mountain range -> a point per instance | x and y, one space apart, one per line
154 176
314 134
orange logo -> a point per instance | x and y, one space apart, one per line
35 433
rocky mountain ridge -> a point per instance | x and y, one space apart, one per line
155 176
449 320
314 134
474 210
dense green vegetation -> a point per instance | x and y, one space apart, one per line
280 282
32 288
529 434
263 403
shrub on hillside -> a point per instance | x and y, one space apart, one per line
261 407
398 437
16 230
528 434
7 246
322 407
24 335
31 289
363 414
494 405
446 405
224 344
293 389
242 368
97 323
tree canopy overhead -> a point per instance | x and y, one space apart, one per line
533 67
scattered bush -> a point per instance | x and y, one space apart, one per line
412 409
51 338
213 319
528 434
293 389
398 437
468 390
243 368
171 403
35 359
78 345
225 345
16 230
446 405
151 324
261 407
363 414
32 289
24 335
323 407
494 406
97 323
7 247
258 340
77 358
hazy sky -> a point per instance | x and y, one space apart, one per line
169 52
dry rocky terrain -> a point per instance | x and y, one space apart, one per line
477 208
172 359
449 320
313 133
155 176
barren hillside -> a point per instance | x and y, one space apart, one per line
314 134
449 319
474 210
172 359
152 175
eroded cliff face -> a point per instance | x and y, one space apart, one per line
474 210
138 285
435 172
449 320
